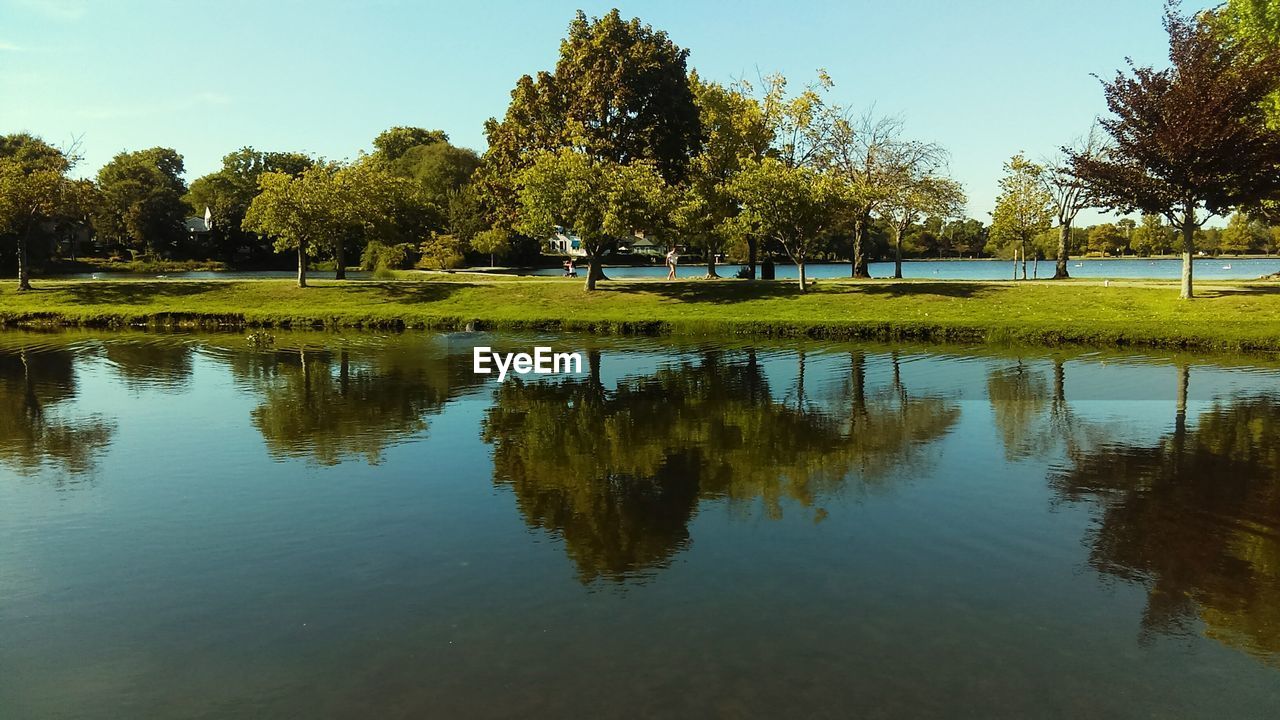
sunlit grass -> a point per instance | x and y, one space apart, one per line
1149 313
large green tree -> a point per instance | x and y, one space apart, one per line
620 93
792 206
599 200
1190 141
33 191
301 213
140 201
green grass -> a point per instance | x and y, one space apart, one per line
1239 316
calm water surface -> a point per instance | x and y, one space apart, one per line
355 526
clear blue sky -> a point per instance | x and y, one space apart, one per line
984 78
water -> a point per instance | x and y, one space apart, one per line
1140 268
355 526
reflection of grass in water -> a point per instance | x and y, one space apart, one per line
1227 316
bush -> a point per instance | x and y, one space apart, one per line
441 252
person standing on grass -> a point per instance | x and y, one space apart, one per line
672 256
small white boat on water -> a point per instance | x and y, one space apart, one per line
1227 266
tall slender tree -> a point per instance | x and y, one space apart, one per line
1069 194
1023 208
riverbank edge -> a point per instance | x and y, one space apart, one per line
1117 334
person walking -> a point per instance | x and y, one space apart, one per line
673 255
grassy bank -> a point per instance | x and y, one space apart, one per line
1241 316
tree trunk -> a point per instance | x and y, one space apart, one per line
1064 243
800 270
711 266
340 253
1188 253
593 271
24 259
897 255
1024 259
859 269
302 265
752 246
1015 263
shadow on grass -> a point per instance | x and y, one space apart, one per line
1239 291
709 291
400 292
715 293
908 289
131 292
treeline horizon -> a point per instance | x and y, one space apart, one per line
622 139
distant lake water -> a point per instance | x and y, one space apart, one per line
356 526
1139 268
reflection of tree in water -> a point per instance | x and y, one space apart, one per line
33 386
1196 518
160 362
1032 415
329 405
619 473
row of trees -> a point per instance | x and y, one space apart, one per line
622 139
412 187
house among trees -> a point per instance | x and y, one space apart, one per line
645 246
199 229
565 242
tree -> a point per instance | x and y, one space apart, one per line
1106 239
870 154
438 168
228 192
600 200
492 242
793 206
620 94
735 131
1245 235
1023 208
141 201
33 186
967 237
302 213
393 143
1153 237
1190 141
1069 195
917 192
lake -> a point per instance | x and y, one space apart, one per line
1137 268
356 525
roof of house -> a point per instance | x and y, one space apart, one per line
197 224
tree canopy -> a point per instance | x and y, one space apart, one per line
1189 141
